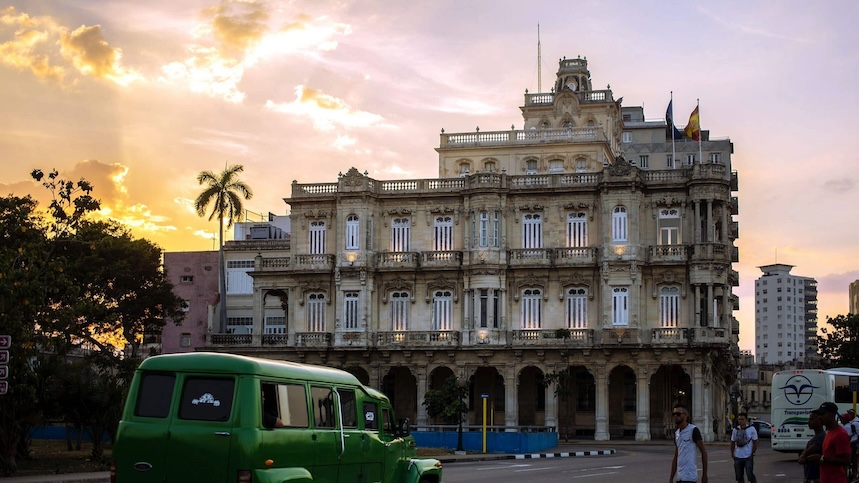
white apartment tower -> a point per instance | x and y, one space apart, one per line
785 316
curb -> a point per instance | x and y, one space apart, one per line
566 454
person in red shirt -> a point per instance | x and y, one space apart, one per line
836 447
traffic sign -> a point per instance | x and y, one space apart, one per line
3 387
4 372
4 357
5 341
854 383
484 396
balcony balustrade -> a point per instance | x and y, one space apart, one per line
571 256
274 264
486 336
442 259
669 253
620 335
397 260
530 257
543 98
321 262
666 335
312 339
709 335
710 251
438 338
275 339
230 339
579 338
351 339
523 137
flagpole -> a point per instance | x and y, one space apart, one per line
673 154
700 134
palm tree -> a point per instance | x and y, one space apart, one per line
222 192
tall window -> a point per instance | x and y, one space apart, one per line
400 233
350 310
400 307
532 308
581 166
443 234
531 166
577 230
620 306
442 310
464 169
532 230
317 237
315 312
691 158
352 237
556 166
238 280
274 324
669 307
486 308
576 308
619 225
669 161
715 158
489 166
643 161
669 227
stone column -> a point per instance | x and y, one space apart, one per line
697 396
696 206
422 392
258 318
601 416
642 404
710 311
511 402
710 226
707 402
698 306
551 404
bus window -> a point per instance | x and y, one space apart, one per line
323 407
371 419
842 390
349 407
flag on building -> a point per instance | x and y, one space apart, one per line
693 129
671 131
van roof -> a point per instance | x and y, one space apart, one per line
237 364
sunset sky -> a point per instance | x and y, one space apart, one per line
139 97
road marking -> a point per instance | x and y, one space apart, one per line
536 469
596 474
501 467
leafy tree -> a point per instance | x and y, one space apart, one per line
839 346
224 191
448 403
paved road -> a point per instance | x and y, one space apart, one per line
633 463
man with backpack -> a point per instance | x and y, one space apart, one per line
744 445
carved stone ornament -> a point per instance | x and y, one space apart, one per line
314 286
398 283
353 177
441 283
576 280
621 167
530 280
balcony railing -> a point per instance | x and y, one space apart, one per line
549 337
667 335
669 253
530 256
312 339
314 262
351 339
274 264
230 339
545 98
275 339
444 259
397 260
523 137
709 251
417 339
575 256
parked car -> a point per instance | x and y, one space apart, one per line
763 428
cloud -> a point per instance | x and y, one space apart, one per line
841 185
87 50
837 282
27 49
237 36
325 111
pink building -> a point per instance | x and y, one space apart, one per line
194 276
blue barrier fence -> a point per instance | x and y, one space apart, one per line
496 442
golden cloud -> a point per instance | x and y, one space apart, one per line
326 111
32 48
238 26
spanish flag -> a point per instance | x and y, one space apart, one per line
693 129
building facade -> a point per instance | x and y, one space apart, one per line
785 316
543 253
194 276
854 298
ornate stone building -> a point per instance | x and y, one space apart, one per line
576 246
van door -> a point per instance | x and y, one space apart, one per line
325 435
198 443
357 464
288 443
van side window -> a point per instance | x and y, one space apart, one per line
207 399
371 417
323 407
287 402
349 406
387 421
154 395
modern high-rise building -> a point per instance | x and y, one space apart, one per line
785 316
583 246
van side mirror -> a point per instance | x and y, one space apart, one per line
403 429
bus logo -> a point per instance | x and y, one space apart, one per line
799 390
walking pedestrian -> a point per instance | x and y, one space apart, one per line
744 445
835 457
811 470
687 438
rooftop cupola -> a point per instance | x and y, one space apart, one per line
573 75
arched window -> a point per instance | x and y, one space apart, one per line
400 234
400 311
577 229
669 307
619 225
532 308
352 237
443 234
532 230
576 308
315 312
442 310
620 306
317 237
351 314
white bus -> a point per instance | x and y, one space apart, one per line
796 393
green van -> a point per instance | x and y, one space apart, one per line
228 418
